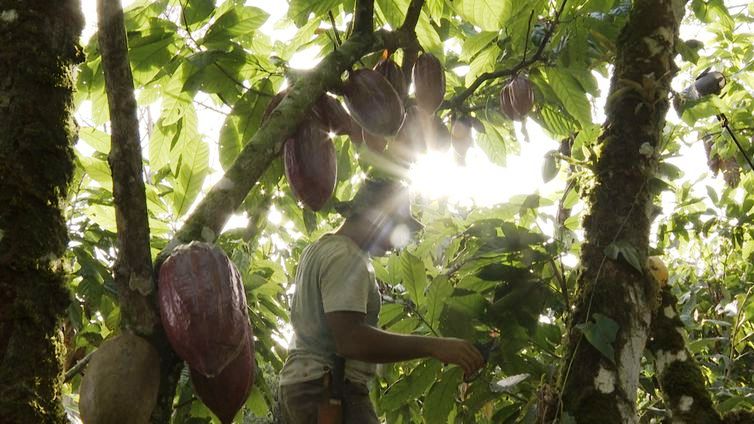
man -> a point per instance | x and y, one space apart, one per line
335 310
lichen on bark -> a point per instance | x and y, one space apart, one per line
36 164
636 108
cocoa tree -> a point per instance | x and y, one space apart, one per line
40 49
494 275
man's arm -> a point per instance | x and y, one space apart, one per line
355 339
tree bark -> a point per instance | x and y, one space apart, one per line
681 380
595 389
40 48
133 268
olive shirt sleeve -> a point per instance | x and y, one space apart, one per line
344 280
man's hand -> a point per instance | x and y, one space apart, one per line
459 352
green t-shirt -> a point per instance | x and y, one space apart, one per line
334 274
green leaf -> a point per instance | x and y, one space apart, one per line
474 44
97 139
236 22
243 121
628 251
488 15
300 10
571 94
196 11
439 292
492 143
600 333
98 170
194 168
428 36
414 277
394 11
441 397
150 51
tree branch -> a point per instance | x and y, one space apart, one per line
363 19
458 99
209 217
690 401
412 15
133 268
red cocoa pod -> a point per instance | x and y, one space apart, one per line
460 136
120 382
310 164
411 139
227 392
330 114
517 98
203 306
375 143
429 82
394 75
356 133
373 102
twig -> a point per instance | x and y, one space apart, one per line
334 29
724 122
76 369
528 34
458 99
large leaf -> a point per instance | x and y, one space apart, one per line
300 10
571 94
438 293
600 333
488 15
441 397
414 277
243 121
194 167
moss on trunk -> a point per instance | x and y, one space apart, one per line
37 133
636 108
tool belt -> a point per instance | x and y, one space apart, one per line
330 410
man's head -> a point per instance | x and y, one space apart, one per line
381 209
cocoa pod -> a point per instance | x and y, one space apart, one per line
310 164
203 306
375 143
411 139
460 136
226 393
373 102
120 382
394 75
330 114
517 98
429 82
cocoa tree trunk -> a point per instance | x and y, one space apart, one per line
594 387
39 48
133 269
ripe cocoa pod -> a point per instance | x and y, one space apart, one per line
226 393
394 75
429 82
310 164
331 115
373 102
375 143
411 139
517 98
203 306
460 136
120 382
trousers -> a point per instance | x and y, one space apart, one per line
299 402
